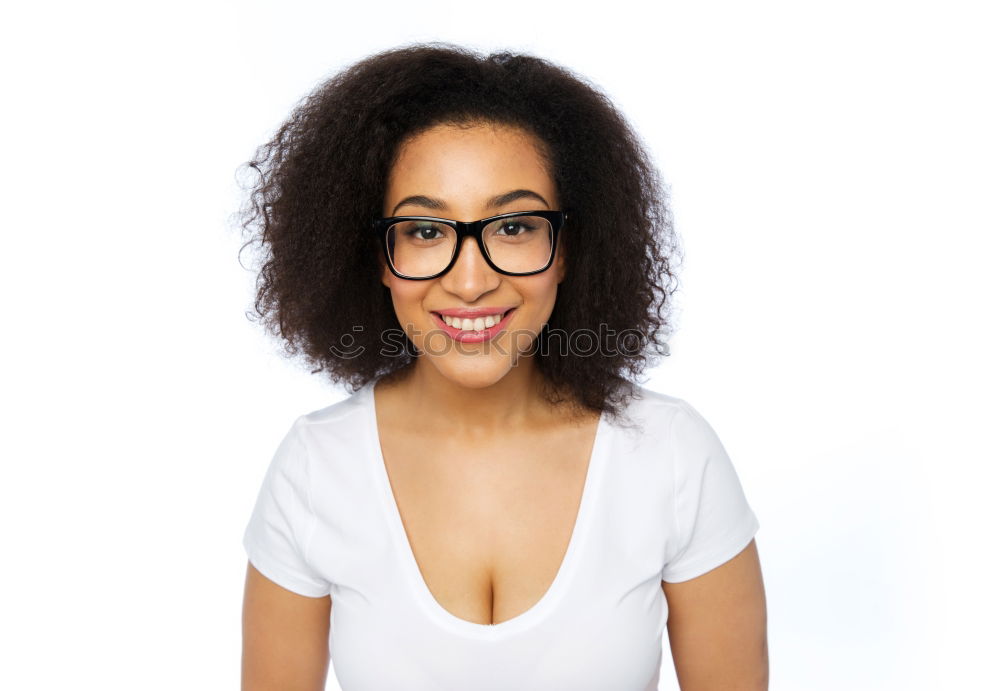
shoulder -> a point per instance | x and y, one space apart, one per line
336 435
648 399
352 406
669 430
343 421
650 412
337 445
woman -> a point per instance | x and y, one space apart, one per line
478 245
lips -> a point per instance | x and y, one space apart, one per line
472 335
473 322
473 312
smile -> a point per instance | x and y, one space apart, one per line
471 329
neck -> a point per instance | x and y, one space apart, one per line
512 402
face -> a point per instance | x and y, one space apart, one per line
466 173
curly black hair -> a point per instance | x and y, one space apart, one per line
320 181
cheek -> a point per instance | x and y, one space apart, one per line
541 290
407 297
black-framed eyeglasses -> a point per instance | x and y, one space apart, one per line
515 244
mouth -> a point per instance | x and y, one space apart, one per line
471 330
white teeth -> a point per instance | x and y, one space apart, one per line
477 324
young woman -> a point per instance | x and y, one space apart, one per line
480 247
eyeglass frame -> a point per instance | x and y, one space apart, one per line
463 229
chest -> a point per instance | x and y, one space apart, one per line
412 608
489 524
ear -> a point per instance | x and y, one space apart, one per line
384 272
560 263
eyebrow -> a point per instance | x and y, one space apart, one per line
494 202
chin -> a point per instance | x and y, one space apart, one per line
475 372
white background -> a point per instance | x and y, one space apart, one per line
834 174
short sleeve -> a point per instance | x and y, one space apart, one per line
713 520
277 536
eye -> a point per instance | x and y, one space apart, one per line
514 227
424 232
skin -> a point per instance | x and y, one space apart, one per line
492 445
718 627
284 637
455 172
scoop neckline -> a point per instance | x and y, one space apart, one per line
418 586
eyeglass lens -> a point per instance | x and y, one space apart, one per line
519 244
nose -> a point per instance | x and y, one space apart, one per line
470 277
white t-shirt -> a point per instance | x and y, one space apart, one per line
664 503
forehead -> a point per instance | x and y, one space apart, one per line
465 165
